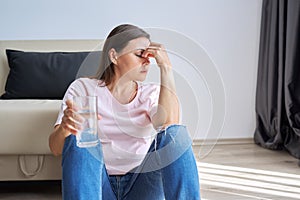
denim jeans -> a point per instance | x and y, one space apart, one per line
168 171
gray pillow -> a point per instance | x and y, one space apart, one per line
45 75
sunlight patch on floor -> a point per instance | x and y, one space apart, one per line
242 181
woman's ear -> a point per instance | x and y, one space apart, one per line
113 56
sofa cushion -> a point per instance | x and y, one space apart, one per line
26 125
45 75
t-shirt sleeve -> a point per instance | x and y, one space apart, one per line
69 94
153 100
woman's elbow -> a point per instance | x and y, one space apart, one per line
162 121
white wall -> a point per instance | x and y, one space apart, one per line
228 30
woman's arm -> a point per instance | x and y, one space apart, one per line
168 105
70 124
57 139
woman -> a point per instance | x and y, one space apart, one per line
131 162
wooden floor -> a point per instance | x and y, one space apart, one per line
247 172
227 172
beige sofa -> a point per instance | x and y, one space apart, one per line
25 124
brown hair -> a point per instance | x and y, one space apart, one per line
118 39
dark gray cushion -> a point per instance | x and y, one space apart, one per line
45 75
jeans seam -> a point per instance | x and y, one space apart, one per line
118 186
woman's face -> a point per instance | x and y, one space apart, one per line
129 61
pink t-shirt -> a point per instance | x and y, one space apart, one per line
125 130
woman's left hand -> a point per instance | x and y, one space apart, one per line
158 52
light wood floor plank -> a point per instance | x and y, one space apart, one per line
246 172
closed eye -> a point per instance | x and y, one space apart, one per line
140 53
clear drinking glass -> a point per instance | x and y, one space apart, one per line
87 109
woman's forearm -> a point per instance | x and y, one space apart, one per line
168 105
69 125
57 140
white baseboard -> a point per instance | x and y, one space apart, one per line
231 141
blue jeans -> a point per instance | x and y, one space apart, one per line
169 171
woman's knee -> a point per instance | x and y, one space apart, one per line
176 135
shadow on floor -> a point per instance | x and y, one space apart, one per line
30 189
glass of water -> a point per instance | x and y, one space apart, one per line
87 108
